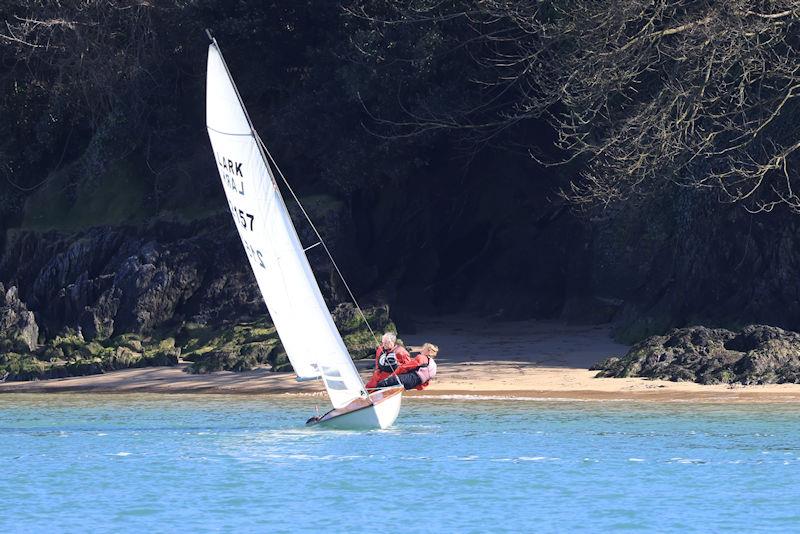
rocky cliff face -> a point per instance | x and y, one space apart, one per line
113 280
110 280
18 328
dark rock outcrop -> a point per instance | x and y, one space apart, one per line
18 328
115 280
757 354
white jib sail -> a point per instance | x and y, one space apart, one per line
276 256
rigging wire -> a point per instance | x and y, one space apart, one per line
316 232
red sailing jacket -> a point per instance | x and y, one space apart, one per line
412 364
402 359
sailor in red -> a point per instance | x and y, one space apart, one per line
417 373
389 356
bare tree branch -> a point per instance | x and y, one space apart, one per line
693 93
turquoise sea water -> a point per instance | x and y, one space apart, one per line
149 463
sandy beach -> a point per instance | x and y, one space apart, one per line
532 359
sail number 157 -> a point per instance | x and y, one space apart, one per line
244 218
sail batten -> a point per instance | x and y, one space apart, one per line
313 344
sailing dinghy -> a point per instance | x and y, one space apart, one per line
305 326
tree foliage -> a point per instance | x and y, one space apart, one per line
83 84
643 93
89 76
639 94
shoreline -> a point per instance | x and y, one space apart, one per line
171 380
533 360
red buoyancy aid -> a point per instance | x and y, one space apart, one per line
403 358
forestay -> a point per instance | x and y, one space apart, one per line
276 255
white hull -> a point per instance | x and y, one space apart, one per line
380 412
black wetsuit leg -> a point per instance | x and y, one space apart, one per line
408 380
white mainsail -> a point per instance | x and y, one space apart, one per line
276 255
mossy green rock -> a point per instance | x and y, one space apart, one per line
14 344
123 358
231 357
20 366
237 347
51 354
71 344
357 337
131 341
215 360
280 362
348 319
163 356
85 367
361 344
